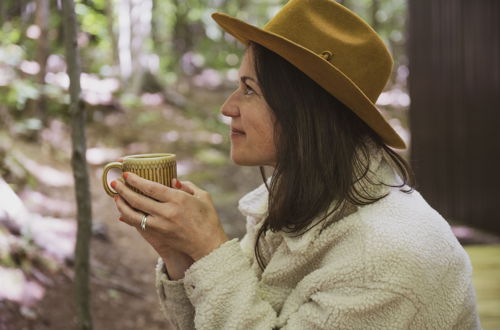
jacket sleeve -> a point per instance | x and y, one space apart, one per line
174 302
223 289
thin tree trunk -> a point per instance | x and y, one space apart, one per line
375 8
110 13
155 37
346 3
124 52
42 20
140 20
3 11
79 164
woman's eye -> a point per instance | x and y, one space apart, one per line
247 89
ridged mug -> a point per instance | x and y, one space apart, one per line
159 167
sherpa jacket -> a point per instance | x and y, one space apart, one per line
394 264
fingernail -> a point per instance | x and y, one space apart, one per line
120 218
125 175
113 184
178 184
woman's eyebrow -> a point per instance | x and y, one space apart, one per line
245 78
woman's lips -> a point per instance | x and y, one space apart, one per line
238 132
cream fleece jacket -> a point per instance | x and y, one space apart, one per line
394 264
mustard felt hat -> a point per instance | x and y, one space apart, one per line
334 47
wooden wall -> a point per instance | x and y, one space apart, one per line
454 84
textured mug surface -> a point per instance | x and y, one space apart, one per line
161 168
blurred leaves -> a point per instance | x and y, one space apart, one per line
182 43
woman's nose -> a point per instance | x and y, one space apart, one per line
230 106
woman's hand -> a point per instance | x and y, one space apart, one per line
184 221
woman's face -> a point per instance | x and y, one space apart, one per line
252 121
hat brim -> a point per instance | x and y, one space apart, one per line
318 69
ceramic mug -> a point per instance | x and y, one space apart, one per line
161 168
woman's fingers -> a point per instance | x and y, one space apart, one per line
194 189
183 185
128 214
136 200
150 188
134 218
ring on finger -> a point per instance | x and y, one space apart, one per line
143 221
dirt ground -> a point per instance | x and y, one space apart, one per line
123 293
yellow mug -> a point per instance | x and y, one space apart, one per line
161 168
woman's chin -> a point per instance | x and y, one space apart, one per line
242 161
245 160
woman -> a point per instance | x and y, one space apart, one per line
337 237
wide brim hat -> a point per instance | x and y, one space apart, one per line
334 47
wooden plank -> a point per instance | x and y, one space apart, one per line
454 85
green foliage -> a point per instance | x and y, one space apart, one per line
177 28
10 34
11 168
14 92
20 91
486 264
211 157
146 118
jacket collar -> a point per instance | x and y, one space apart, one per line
255 203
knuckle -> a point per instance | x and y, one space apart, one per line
167 232
181 199
163 190
164 212
173 213
152 223
166 229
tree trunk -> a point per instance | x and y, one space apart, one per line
42 20
345 3
79 165
375 8
110 13
182 37
3 11
140 20
124 52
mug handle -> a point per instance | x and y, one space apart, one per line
109 166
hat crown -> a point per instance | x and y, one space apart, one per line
354 48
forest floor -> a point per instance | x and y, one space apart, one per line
122 279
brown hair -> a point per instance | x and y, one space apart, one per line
316 139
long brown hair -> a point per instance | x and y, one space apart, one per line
316 137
